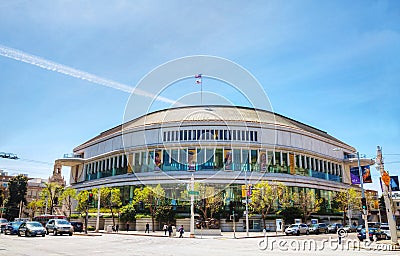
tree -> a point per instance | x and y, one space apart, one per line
345 199
51 194
164 212
291 213
17 187
211 201
109 198
264 196
150 197
82 199
67 196
309 203
34 206
128 212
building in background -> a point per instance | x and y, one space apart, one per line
226 146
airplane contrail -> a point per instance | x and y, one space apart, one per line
53 66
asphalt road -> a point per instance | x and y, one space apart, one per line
123 244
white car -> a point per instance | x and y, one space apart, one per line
297 229
386 230
59 226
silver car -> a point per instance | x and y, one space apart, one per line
297 229
59 226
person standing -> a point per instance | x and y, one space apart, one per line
147 228
117 228
181 231
165 228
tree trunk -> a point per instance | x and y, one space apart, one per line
112 215
263 217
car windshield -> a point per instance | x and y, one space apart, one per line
294 226
314 225
64 222
34 224
16 224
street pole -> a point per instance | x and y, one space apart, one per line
192 208
234 223
247 202
389 212
364 211
98 212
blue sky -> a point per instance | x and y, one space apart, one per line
331 64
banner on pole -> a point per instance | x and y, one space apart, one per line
366 174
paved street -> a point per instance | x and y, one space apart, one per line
131 244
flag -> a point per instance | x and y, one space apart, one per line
198 78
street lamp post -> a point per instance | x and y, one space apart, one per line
364 211
192 207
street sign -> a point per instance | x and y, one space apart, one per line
192 192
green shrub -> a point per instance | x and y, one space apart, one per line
91 228
75 216
142 216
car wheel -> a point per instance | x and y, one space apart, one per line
317 232
298 233
47 231
43 235
19 233
55 232
70 234
26 233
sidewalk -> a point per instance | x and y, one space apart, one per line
224 235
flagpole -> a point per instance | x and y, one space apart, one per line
201 91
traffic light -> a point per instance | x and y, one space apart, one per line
244 191
90 200
364 203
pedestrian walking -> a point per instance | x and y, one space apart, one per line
127 227
181 231
170 230
165 228
117 228
147 228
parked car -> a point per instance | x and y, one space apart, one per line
3 224
318 228
333 228
59 226
359 227
297 229
77 225
12 228
386 230
350 228
373 232
31 228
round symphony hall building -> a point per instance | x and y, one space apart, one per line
226 146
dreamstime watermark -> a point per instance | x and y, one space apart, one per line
331 243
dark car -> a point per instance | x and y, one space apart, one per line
373 232
319 228
77 225
31 228
12 228
333 228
